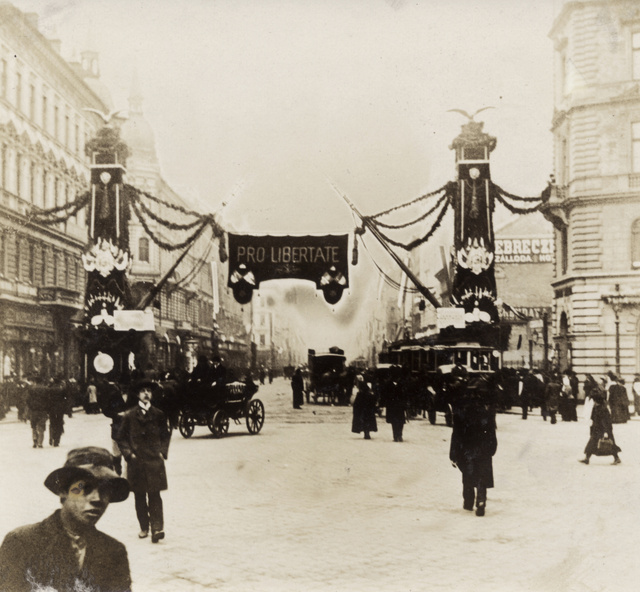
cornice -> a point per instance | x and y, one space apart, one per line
16 26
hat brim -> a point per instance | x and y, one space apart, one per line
60 479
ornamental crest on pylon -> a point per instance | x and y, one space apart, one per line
104 257
475 257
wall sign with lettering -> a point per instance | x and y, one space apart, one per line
524 250
319 259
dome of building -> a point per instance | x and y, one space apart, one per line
136 130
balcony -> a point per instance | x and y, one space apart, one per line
57 296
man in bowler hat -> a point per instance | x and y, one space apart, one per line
143 439
65 551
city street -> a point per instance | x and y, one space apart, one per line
308 506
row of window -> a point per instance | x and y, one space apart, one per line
41 106
32 261
175 306
34 182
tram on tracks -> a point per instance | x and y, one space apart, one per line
435 367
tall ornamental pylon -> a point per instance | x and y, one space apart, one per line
474 283
107 257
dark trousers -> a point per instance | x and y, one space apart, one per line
397 427
469 492
151 512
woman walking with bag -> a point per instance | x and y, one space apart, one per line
601 442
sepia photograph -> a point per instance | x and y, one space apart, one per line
319 295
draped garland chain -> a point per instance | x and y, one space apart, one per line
197 266
445 187
59 213
419 219
502 196
205 221
172 225
136 193
413 244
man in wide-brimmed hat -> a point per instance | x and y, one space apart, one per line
66 551
143 439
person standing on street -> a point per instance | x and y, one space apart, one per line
297 387
552 396
474 443
65 552
38 405
364 408
143 439
394 401
618 399
635 388
58 406
601 441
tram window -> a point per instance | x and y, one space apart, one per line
475 363
460 358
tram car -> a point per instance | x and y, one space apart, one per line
435 365
326 373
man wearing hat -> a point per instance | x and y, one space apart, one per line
66 551
143 439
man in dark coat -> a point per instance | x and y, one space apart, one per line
143 439
58 406
297 387
552 396
65 552
395 404
38 405
473 444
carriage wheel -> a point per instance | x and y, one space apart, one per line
186 425
219 424
255 416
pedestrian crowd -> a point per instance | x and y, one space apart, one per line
66 552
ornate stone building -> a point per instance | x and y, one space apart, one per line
43 130
595 206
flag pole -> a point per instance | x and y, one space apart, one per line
366 222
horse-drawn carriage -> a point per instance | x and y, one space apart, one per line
214 407
326 372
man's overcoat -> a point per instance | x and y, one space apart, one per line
144 439
40 556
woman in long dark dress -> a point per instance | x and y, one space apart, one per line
601 426
364 409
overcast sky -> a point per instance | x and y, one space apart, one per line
263 101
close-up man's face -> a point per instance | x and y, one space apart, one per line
85 502
145 395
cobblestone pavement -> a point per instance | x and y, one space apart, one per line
308 506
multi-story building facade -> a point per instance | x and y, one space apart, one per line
595 206
524 259
43 130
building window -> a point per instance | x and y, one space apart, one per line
56 122
564 246
19 175
32 263
45 109
143 249
19 91
32 102
4 164
635 147
635 244
263 339
3 78
635 48
18 259
3 253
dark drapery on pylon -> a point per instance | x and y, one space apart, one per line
474 284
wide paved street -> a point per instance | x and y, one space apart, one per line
308 506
